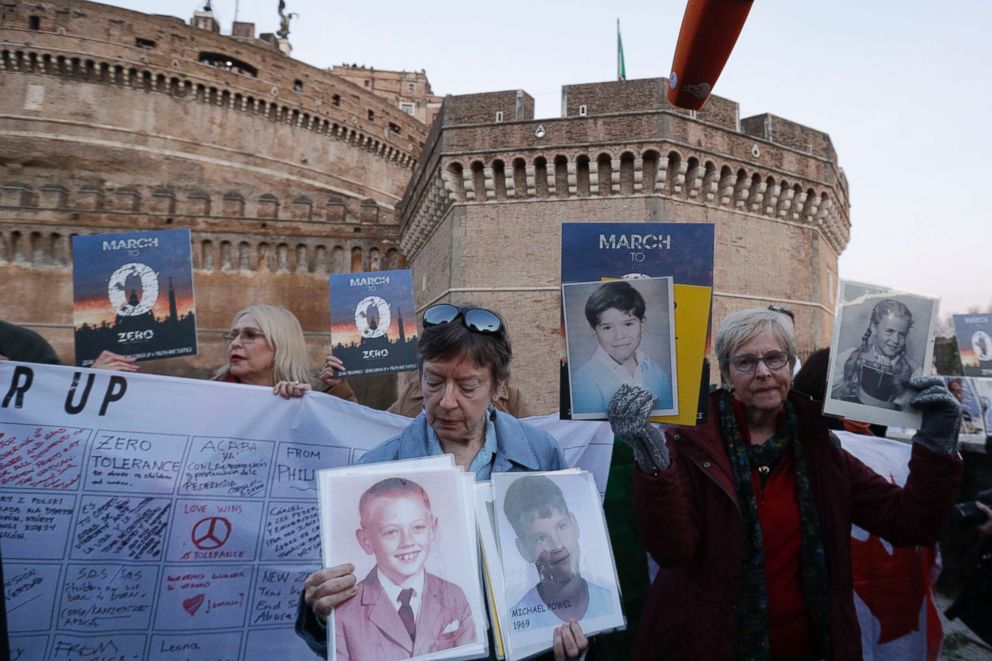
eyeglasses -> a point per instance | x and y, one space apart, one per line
247 335
477 320
773 360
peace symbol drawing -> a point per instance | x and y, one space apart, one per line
211 532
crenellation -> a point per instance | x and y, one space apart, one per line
195 202
149 81
675 175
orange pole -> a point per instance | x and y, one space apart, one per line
709 31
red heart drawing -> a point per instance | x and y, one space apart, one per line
193 604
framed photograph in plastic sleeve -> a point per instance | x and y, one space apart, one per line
882 338
556 558
409 529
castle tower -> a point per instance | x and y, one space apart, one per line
481 218
204 19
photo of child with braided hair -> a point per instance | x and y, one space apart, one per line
875 372
882 339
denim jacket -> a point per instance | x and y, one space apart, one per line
521 447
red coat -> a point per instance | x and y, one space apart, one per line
690 521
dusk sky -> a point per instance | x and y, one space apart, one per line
901 87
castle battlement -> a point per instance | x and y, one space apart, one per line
102 44
481 217
768 167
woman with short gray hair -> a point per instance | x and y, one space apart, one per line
737 327
749 514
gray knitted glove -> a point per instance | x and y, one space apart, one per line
628 412
941 414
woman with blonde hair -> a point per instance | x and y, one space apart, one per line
267 348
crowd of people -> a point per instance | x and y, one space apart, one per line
748 515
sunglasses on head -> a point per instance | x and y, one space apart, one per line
477 320
786 311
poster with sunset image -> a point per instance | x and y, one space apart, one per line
373 322
133 295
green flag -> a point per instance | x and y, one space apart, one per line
621 66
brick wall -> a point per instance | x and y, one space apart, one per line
507 256
482 108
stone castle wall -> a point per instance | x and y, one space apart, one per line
114 120
482 215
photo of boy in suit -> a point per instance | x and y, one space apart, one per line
400 610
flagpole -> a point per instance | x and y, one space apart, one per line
621 65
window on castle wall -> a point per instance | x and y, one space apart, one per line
407 108
234 205
302 209
297 85
371 116
582 175
499 115
268 206
583 110
147 44
368 83
411 87
336 99
561 176
34 22
227 63
198 205
394 128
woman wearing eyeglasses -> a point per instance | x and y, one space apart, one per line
266 348
464 359
749 515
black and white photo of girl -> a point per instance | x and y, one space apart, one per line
881 339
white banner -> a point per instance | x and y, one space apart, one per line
149 517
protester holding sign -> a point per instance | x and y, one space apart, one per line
765 459
266 348
465 357
20 343
893 586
